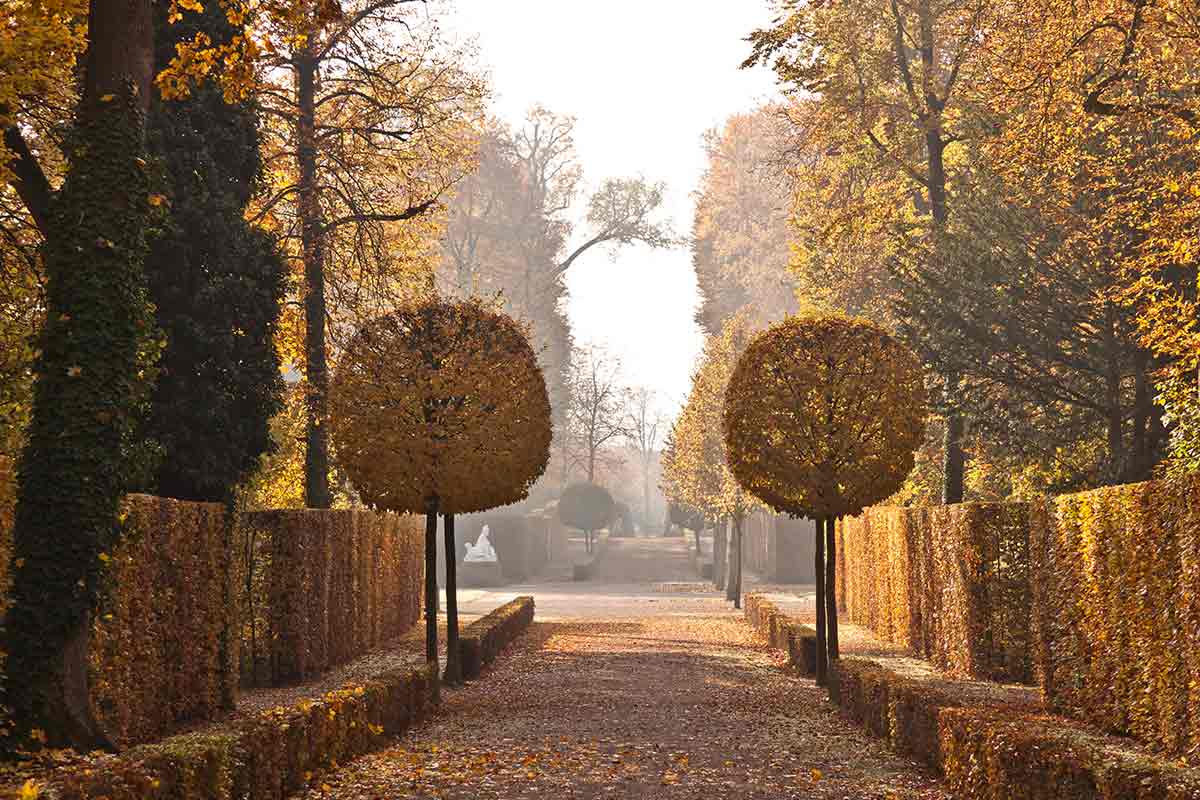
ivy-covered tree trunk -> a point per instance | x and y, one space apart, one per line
831 612
312 246
91 386
819 572
453 673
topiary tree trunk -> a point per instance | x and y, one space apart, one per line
819 572
453 673
831 613
431 587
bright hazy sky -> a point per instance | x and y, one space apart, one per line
645 78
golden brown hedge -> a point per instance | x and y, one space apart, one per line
990 752
326 587
271 755
163 649
484 638
1118 611
951 583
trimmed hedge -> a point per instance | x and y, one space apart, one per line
799 641
162 652
482 640
325 588
994 752
161 649
267 757
1118 611
951 583
174 620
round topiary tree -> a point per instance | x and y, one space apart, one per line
587 507
441 407
822 417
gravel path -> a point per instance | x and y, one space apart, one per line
638 695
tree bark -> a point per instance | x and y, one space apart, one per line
312 249
819 572
431 587
831 612
453 673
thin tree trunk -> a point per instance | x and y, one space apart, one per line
954 460
312 248
431 587
739 549
831 613
453 673
731 563
819 571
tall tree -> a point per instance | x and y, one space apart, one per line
216 283
90 389
370 112
511 233
596 412
740 235
645 425
891 74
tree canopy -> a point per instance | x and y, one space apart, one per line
822 416
441 401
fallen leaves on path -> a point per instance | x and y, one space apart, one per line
678 705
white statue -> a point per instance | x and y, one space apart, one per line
482 550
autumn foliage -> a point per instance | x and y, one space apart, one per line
822 416
441 400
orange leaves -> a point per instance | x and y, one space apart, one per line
822 416
441 399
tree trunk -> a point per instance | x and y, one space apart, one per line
731 561
719 554
453 674
431 587
819 572
88 391
312 251
831 613
954 460
739 550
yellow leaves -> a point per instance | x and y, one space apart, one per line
823 415
104 558
30 790
156 200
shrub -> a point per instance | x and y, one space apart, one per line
1118 614
162 649
586 506
799 641
484 638
993 752
951 583
267 757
